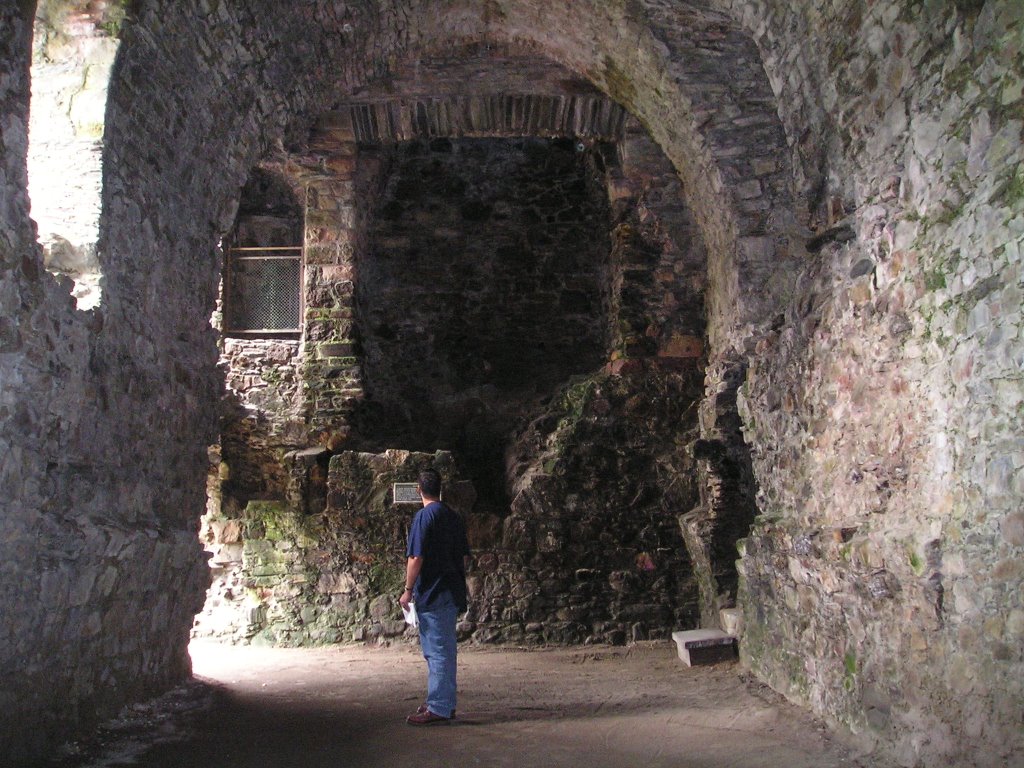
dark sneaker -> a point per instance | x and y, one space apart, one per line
426 718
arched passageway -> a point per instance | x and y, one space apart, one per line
533 306
873 375
738 243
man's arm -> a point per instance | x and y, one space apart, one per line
412 571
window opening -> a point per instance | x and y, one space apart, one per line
263 259
263 290
73 51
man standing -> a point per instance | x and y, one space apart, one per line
435 580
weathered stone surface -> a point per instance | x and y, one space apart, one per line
591 538
484 287
866 409
333 575
532 204
880 382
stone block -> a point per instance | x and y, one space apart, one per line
762 166
226 531
342 165
228 554
732 621
336 583
704 646
682 346
624 366
749 189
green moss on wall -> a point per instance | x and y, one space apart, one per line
274 521
849 671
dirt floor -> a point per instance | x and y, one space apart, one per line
345 706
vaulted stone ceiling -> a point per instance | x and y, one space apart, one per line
691 76
877 372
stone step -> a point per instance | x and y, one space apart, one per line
704 646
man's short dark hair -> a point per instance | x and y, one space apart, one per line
430 483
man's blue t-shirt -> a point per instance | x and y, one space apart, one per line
438 535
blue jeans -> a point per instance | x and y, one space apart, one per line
437 640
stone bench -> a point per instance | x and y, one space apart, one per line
704 646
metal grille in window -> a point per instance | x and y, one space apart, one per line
263 289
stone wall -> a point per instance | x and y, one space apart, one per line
591 550
881 581
333 575
100 570
882 399
484 286
461 337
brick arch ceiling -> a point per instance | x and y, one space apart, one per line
481 90
201 90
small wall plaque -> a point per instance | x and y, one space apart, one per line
405 493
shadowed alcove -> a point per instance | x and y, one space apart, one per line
486 286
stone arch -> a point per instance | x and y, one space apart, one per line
197 101
721 130
330 151
108 416
716 123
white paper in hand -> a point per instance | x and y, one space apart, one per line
410 615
